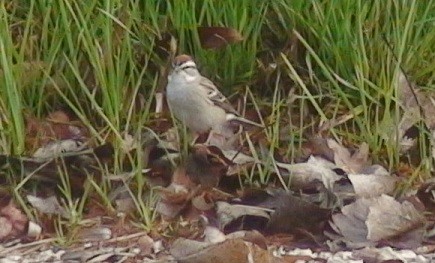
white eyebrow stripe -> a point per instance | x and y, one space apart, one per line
188 63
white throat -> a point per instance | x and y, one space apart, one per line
189 77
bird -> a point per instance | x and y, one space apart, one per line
197 102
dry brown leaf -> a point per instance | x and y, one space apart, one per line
315 169
13 222
202 202
202 168
160 101
125 205
234 161
231 250
292 213
159 161
330 124
414 103
410 99
426 194
213 235
373 182
146 245
94 234
173 200
55 149
318 146
382 219
218 37
252 236
78 166
388 218
56 127
350 163
49 205
183 247
181 178
175 193
229 212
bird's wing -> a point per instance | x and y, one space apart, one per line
216 97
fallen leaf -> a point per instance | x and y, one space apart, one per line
180 178
350 163
183 247
49 205
235 161
125 205
368 221
146 244
252 236
373 183
316 168
13 222
331 123
386 255
229 212
426 194
34 230
57 148
218 37
159 161
203 202
159 102
414 102
388 218
318 146
213 235
77 165
94 234
291 213
202 168
56 127
231 250
173 200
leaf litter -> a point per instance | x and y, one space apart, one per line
331 199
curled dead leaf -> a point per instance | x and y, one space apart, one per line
292 213
204 168
49 205
315 169
77 165
375 181
218 37
13 222
349 162
227 213
230 250
369 221
57 126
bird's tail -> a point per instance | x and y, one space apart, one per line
237 120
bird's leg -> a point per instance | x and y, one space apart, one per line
216 139
209 137
199 138
195 138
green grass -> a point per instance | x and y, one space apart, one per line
97 58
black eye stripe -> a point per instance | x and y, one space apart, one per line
188 66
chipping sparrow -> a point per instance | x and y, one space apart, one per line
197 102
